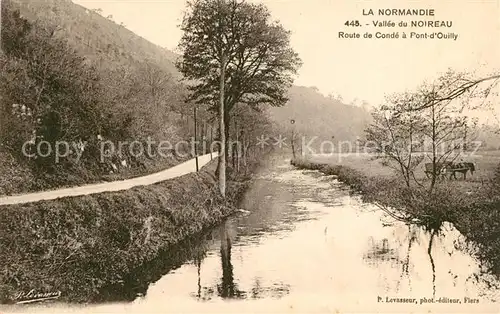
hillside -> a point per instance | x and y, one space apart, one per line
317 115
95 36
110 45
69 74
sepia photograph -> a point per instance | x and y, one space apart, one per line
249 156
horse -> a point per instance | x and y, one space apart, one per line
448 167
471 166
462 167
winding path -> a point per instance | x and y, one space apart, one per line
120 185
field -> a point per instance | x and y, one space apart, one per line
486 162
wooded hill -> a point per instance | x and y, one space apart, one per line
96 36
70 74
321 116
102 39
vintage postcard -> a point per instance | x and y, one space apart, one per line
249 156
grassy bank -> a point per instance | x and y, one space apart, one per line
18 178
81 244
473 206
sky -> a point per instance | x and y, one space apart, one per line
364 69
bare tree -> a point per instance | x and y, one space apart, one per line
395 135
404 133
445 134
437 124
157 82
461 86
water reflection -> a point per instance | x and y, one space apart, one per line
227 287
136 284
194 251
380 251
308 235
308 244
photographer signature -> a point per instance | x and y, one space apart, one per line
33 296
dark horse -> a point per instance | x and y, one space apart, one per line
463 167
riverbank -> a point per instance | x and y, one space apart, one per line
473 210
79 245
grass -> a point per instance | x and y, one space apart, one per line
80 245
84 245
17 178
102 43
472 205
486 162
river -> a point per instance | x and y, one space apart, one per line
302 243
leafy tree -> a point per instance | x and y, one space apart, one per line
233 53
157 83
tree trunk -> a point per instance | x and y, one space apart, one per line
434 153
465 139
222 132
204 136
1 46
211 140
227 287
226 134
246 149
238 152
233 157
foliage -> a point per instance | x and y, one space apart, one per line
51 91
259 60
462 89
84 245
48 92
103 42
234 53
320 117
148 99
396 134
